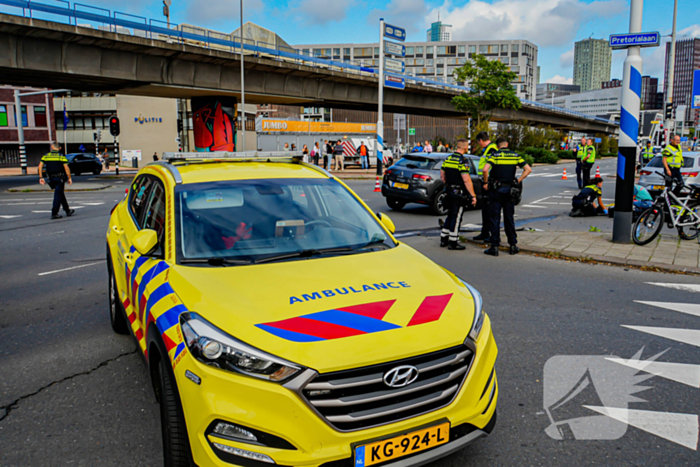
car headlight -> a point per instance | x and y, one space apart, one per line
478 322
214 347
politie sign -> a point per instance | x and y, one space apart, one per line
642 39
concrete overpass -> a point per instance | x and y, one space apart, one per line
57 55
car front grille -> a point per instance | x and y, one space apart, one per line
357 399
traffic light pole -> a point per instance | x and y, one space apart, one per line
629 131
116 154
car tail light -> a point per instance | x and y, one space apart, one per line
645 172
425 178
691 174
388 172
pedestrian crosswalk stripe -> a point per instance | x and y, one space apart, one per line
687 336
533 206
679 428
684 287
689 308
680 372
10 217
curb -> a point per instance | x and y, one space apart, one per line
16 190
611 261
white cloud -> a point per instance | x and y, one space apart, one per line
544 22
558 79
566 60
411 14
654 59
216 11
315 12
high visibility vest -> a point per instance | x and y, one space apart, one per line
674 155
580 151
647 153
589 150
488 150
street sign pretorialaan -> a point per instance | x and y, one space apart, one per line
394 49
643 39
397 66
392 32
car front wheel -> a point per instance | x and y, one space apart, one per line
116 313
176 446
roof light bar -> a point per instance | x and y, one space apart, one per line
249 155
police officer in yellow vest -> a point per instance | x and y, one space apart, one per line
499 174
587 162
460 193
673 161
488 148
580 152
647 154
57 171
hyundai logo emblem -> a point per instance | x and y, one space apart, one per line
400 376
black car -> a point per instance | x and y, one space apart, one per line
81 163
415 178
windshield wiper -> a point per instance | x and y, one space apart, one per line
216 261
302 254
371 244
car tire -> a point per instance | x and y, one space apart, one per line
395 204
439 206
96 172
116 311
176 445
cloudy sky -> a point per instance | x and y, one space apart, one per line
554 25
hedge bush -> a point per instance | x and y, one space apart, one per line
609 154
528 159
541 155
562 154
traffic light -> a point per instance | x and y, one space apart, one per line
114 126
179 125
668 112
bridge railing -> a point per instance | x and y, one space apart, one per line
125 23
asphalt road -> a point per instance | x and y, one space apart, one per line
73 392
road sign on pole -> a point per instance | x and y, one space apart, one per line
645 39
394 82
392 32
411 132
695 98
394 49
396 66
629 131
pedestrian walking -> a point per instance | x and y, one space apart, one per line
589 202
580 151
338 156
328 160
672 157
487 148
587 162
441 148
499 180
316 153
305 153
57 172
428 147
155 157
362 151
294 147
460 194
286 146
105 157
647 154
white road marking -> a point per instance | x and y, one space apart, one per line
679 428
77 207
91 204
684 287
41 212
10 217
689 308
533 206
687 336
680 372
67 269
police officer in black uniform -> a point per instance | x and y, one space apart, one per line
499 175
57 171
460 193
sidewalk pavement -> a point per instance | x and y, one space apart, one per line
667 252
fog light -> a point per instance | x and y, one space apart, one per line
210 349
243 453
233 431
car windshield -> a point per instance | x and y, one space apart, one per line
657 162
260 220
415 162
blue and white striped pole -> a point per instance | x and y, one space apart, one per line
629 130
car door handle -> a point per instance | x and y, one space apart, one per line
129 258
118 229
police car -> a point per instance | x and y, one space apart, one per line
282 323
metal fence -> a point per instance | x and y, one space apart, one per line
125 23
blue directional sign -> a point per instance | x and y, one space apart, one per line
391 48
695 98
642 39
392 32
599 140
684 139
394 82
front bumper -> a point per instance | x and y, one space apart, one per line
281 412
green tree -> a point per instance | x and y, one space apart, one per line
488 88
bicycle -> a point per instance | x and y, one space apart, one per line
683 212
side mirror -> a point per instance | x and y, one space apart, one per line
145 241
386 220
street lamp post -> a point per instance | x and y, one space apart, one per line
242 84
